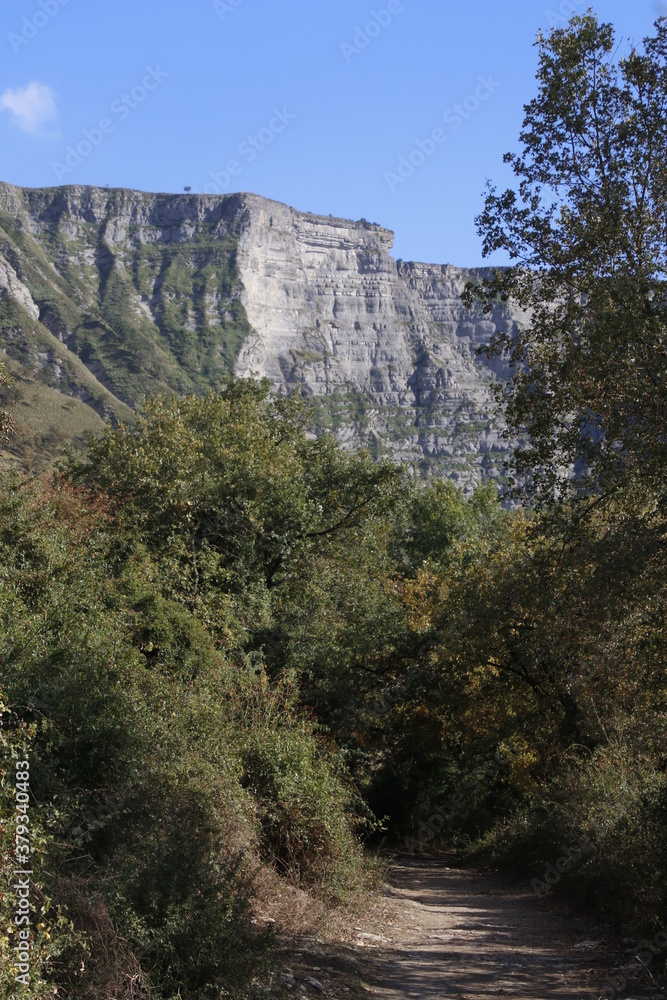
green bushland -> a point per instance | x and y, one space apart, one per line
469 664
166 764
139 787
537 714
228 646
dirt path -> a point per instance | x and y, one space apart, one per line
462 934
442 933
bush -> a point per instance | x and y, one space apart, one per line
614 800
162 772
306 805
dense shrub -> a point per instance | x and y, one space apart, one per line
613 804
307 806
229 646
153 807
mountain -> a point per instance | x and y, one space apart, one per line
109 295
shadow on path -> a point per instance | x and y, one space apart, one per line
461 934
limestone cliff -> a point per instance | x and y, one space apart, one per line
107 295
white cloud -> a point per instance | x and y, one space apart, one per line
31 107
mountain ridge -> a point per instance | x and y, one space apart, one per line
108 295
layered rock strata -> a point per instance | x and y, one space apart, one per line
109 295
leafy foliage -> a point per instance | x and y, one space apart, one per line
146 770
574 609
234 499
586 227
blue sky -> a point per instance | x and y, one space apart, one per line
396 111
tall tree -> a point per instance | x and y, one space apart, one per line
233 496
587 229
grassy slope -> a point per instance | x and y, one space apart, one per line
46 422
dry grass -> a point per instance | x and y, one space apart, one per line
46 422
109 969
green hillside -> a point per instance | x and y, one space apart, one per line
123 310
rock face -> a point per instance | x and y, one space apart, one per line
386 348
172 291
